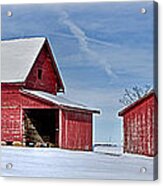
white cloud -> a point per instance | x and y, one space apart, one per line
83 40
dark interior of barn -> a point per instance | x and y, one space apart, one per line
41 126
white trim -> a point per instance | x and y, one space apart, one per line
56 63
21 124
60 128
66 130
59 100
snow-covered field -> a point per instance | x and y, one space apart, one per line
116 151
58 163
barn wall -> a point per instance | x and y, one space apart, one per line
11 129
57 127
140 128
48 82
10 124
32 102
76 130
13 103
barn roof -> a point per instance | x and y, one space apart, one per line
139 101
18 57
59 100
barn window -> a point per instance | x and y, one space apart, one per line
39 74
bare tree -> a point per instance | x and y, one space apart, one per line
133 94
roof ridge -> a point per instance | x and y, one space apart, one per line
29 50
132 105
22 39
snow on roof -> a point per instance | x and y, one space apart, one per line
132 105
59 100
18 57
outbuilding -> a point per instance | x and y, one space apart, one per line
140 125
30 83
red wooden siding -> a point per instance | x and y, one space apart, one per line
11 129
140 127
76 128
14 97
48 82
73 129
33 102
11 113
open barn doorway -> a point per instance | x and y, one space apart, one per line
41 126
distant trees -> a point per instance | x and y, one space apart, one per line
133 94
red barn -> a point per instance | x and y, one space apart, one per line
140 125
30 83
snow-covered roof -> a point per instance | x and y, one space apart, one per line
59 100
137 102
18 57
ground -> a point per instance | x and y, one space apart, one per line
59 163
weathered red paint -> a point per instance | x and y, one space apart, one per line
48 82
76 130
140 125
13 103
11 129
73 126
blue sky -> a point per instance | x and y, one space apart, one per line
101 49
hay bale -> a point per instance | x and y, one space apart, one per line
43 145
38 144
30 144
17 143
51 145
3 143
24 144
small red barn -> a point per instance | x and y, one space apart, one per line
140 125
30 82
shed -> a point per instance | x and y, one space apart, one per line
31 81
140 126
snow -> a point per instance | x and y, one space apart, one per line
116 151
18 57
59 163
59 100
